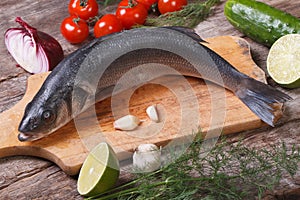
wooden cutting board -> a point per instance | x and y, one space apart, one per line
184 105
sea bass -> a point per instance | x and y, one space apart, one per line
92 72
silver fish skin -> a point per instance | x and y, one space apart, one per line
94 70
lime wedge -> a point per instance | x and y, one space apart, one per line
283 62
99 172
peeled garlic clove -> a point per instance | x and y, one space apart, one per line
147 158
152 113
127 123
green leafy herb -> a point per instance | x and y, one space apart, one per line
105 3
226 172
190 16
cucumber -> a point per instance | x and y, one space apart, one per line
259 21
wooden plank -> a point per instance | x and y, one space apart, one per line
13 82
32 180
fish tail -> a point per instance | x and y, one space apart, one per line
259 97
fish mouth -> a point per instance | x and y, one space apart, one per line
23 137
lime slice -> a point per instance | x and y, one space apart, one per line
283 62
99 172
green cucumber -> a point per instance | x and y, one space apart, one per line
259 21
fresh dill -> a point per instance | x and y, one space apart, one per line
227 172
189 16
105 3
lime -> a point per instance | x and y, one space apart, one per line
99 172
283 62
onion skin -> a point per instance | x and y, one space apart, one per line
33 50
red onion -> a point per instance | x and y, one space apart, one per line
33 50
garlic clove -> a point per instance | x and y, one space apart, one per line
152 113
127 123
147 158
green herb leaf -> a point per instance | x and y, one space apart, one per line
190 16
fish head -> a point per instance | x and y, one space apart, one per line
41 119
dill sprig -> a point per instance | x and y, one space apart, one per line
227 172
105 3
189 16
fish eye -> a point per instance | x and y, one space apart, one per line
48 116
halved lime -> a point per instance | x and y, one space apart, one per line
283 62
99 172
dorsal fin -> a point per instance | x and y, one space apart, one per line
187 31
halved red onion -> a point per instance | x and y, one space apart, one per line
33 50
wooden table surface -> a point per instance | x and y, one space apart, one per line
24 177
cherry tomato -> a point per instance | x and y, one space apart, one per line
85 9
147 3
131 13
165 6
74 29
108 24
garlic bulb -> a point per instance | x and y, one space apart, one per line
127 123
147 158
